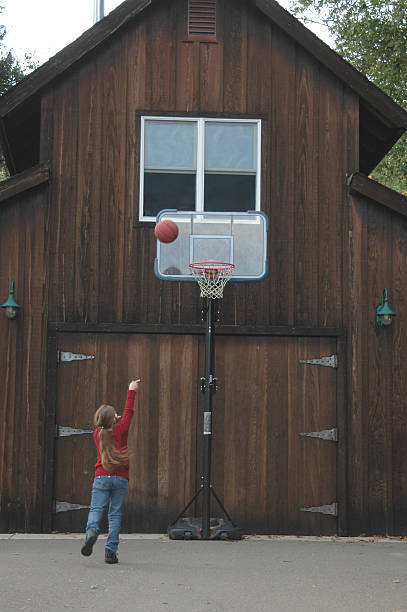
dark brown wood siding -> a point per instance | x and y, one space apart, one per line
377 386
22 361
101 265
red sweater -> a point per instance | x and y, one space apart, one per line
119 433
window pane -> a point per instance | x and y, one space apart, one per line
168 190
169 144
230 192
230 146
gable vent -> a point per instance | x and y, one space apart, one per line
202 18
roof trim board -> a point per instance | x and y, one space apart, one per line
362 185
15 185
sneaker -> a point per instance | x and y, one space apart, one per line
110 556
91 537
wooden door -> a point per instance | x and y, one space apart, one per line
162 438
271 477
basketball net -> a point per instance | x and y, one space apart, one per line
211 277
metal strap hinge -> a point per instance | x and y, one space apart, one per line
331 509
63 506
67 356
330 362
331 435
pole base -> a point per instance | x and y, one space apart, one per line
190 528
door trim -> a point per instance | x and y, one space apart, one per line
235 330
49 432
341 415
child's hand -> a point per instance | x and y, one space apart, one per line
134 385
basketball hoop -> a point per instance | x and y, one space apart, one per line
211 277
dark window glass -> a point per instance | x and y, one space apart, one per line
168 190
230 192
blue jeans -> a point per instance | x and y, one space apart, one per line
105 489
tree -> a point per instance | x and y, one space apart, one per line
372 36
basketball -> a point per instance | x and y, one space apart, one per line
166 231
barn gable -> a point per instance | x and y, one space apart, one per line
381 121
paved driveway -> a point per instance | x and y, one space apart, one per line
48 574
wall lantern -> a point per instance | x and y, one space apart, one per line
11 306
384 314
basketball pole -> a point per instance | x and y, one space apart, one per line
209 388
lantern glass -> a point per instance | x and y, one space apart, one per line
11 312
386 319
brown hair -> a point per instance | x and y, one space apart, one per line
113 460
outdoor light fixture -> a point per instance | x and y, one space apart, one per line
384 314
11 306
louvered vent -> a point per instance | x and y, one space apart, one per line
202 17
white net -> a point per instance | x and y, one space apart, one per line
211 277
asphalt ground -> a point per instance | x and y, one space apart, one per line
259 574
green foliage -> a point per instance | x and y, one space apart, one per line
372 36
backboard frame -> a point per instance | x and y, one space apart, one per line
227 243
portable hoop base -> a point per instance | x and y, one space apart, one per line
191 529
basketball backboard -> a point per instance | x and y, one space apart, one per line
239 238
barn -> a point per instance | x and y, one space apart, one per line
310 417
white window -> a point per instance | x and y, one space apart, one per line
199 164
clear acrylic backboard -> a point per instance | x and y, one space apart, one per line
238 238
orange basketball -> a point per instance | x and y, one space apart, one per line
166 230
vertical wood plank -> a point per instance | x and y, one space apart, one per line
331 198
88 194
64 180
306 201
211 77
282 166
358 369
278 480
399 392
163 57
187 93
378 256
113 155
235 57
259 101
354 249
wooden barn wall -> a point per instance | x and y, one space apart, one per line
377 384
101 259
22 356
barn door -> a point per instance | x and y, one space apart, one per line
95 369
274 433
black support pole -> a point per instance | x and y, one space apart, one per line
200 528
207 427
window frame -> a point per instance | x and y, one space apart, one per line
200 157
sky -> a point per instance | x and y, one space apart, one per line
44 27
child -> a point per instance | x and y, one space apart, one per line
111 473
